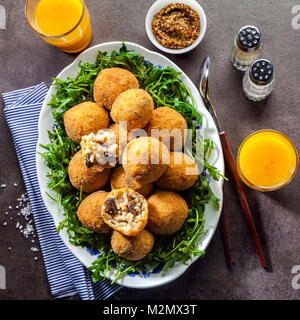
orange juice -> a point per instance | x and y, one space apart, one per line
267 160
57 17
62 23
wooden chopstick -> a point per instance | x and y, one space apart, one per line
225 233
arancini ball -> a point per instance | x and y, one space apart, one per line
145 159
89 215
135 106
181 173
82 177
132 248
171 126
167 212
119 180
110 83
85 118
126 211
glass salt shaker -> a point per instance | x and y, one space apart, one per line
246 47
258 81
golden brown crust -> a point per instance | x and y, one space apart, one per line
85 118
169 120
126 211
82 177
167 212
132 248
145 159
181 173
89 215
134 106
110 83
119 180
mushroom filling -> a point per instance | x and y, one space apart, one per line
125 210
100 148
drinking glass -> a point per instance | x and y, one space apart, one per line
74 40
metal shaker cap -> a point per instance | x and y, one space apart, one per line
248 38
261 72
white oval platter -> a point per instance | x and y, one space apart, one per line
211 214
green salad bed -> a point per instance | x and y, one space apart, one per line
166 89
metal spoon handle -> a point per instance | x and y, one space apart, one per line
231 167
212 110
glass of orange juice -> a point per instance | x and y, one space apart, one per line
267 160
62 23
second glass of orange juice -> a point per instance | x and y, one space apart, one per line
267 160
62 23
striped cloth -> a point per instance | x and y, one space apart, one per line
66 275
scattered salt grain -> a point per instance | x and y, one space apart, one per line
3 185
28 230
35 258
15 184
24 212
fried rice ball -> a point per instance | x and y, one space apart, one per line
171 126
145 159
135 106
167 212
126 211
132 248
110 83
85 118
181 173
82 177
89 215
119 180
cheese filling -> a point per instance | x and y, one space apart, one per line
100 148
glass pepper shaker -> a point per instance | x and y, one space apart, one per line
246 47
258 81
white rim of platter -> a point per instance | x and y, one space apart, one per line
46 123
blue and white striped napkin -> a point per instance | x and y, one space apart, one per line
66 275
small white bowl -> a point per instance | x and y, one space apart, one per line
157 6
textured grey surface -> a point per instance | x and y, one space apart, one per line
26 60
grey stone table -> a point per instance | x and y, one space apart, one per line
26 60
